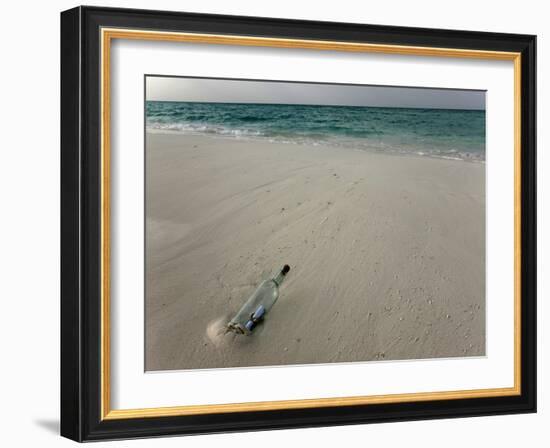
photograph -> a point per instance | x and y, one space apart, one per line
293 223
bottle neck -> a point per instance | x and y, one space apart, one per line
279 278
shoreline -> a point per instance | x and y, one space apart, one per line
387 253
264 139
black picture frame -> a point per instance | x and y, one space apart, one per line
81 224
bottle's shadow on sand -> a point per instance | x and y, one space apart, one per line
216 333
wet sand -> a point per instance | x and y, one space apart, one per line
387 253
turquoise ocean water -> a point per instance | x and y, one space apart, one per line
443 133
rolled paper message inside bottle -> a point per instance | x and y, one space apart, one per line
258 305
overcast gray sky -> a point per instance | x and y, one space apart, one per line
238 91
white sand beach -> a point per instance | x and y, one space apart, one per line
387 253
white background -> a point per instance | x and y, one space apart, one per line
132 388
29 230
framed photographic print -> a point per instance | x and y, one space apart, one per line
273 223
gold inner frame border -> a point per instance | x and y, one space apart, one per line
107 35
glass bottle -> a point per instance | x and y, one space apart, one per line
258 305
